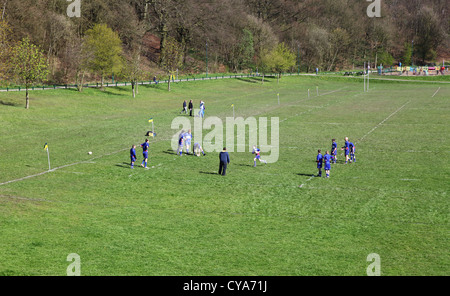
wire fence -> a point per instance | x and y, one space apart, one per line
128 83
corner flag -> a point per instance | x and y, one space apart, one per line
150 120
46 146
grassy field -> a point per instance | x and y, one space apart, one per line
181 218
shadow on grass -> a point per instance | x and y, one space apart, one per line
8 104
124 165
249 80
306 175
208 173
169 151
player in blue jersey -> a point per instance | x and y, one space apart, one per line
319 161
327 158
133 155
180 143
187 140
352 152
347 149
145 147
197 149
334 151
257 152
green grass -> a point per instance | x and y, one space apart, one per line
180 218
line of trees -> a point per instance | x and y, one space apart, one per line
137 39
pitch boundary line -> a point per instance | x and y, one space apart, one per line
386 119
436 92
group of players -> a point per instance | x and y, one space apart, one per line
349 150
184 142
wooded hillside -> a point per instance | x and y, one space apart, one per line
232 35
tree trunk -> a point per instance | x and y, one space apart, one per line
169 83
27 105
263 78
80 87
133 88
103 78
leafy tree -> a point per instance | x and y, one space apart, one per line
280 59
171 57
386 59
29 64
407 54
105 47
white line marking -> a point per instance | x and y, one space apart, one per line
436 92
386 119
301 186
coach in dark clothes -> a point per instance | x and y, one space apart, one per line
191 107
224 161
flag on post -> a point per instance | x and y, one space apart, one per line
48 156
150 120
232 105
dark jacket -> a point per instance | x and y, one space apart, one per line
191 106
224 157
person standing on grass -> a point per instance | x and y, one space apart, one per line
180 143
352 152
224 161
334 151
145 147
191 107
347 149
133 155
187 141
319 161
184 107
327 159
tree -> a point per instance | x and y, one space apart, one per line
29 64
133 70
5 48
171 57
407 54
429 35
106 50
280 59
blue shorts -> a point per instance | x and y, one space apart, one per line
327 166
346 152
319 165
188 143
258 157
145 154
133 159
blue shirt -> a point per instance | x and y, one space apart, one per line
333 147
319 158
133 152
145 147
351 146
327 158
347 144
